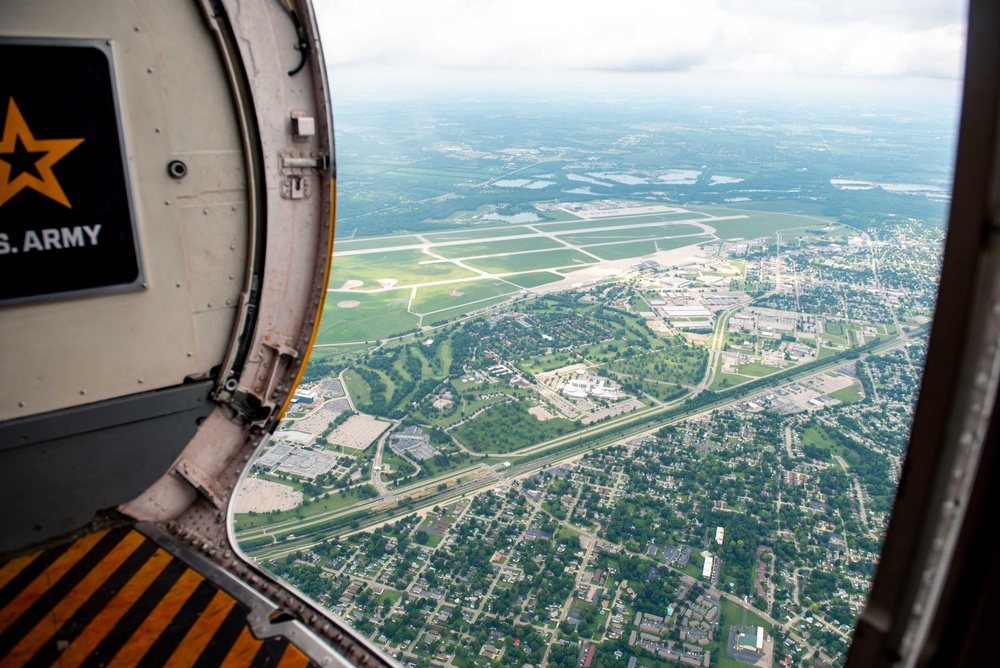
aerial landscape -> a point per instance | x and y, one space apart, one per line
607 381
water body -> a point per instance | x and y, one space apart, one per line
681 177
627 179
586 179
725 179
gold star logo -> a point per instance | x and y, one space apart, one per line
26 162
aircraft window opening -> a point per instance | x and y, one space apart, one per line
613 365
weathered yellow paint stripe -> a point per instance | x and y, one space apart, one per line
293 658
71 602
11 569
243 650
94 633
47 578
158 620
201 633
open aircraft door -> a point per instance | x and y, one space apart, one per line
166 225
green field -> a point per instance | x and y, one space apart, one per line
817 436
849 395
532 261
371 243
622 251
757 369
457 312
834 328
640 248
474 233
357 387
508 427
624 232
534 278
404 266
380 315
622 221
724 380
756 224
440 297
496 247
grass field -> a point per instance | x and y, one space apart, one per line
379 315
623 221
724 380
496 247
458 311
694 565
369 243
626 232
849 395
475 233
732 615
439 297
757 369
357 388
834 328
532 261
757 224
621 251
508 427
817 436
639 248
404 266
534 278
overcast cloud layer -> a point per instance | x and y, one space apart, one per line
853 38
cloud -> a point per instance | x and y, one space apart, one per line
874 38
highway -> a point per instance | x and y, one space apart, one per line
420 496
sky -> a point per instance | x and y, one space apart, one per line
866 39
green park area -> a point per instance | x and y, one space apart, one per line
849 395
365 317
406 267
434 298
531 261
501 246
508 427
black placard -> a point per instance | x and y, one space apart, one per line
66 222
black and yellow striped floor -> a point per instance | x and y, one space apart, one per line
116 598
